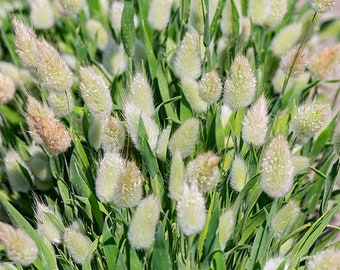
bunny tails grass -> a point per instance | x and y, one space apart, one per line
19 247
185 138
142 228
239 89
277 168
169 134
191 211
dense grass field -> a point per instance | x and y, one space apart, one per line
169 134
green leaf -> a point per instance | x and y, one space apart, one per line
328 186
111 251
320 142
160 256
128 28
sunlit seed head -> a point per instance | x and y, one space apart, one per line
77 244
47 226
191 211
177 176
239 174
245 29
163 142
326 259
273 263
309 119
7 89
25 43
62 104
159 14
16 178
190 88
95 92
257 11
141 94
113 135
277 171
294 61
210 87
142 227
226 227
203 171
115 58
300 163
240 87
128 190
255 123
110 170
42 15
187 60
70 7
185 137
53 71
276 9
39 163
19 246
284 40
284 220
97 31
325 63
322 6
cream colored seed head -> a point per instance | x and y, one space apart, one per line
42 15
294 61
322 5
7 89
210 87
70 7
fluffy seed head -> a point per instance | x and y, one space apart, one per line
239 89
95 131
163 141
128 188
133 115
325 63
191 212
115 58
255 123
159 14
77 244
187 60
95 92
286 39
19 246
294 61
324 260
227 22
256 10
53 71
225 115
141 94
276 9
19 76
309 119
190 88
322 6
70 7
42 16
46 226
203 171
16 178
277 168
239 174
113 135
7 88
210 87
39 163
285 219
110 169
97 31
25 43
48 130
62 104
185 137
273 263
225 227
142 228
176 179
300 164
